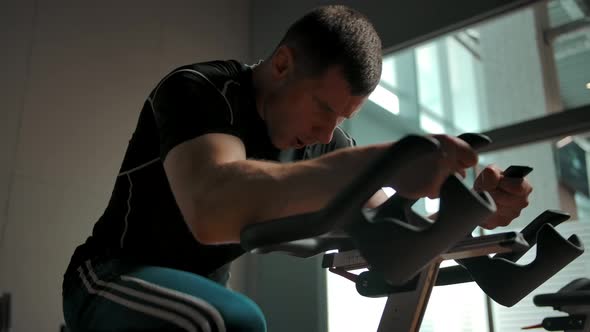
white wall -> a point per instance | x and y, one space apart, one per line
73 78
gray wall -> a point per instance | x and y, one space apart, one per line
74 76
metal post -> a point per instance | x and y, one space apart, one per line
552 126
405 311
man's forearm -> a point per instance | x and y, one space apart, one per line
249 191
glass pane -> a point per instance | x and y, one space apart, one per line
429 80
572 61
456 308
386 99
388 73
464 74
431 125
564 11
512 73
349 311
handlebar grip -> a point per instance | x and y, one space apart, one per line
476 141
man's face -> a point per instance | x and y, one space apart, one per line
302 111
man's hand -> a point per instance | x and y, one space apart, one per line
425 176
510 194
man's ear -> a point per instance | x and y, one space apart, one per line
282 63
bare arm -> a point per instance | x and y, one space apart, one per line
219 191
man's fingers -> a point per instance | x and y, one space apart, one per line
510 195
488 179
495 221
516 186
458 153
506 216
505 199
466 156
501 218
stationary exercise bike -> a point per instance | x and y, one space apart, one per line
573 299
378 239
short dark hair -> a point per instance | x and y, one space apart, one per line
337 35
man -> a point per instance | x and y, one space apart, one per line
207 159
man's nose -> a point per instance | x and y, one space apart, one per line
324 134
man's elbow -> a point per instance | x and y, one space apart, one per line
213 228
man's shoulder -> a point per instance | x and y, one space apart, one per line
218 74
216 71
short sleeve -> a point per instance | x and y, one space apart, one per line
187 104
341 139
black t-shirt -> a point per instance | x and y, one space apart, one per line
142 221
